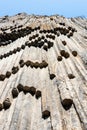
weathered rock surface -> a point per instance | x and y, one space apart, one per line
43 73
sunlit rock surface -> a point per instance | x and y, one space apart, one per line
43 73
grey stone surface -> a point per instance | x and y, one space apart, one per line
45 78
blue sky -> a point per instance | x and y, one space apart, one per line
67 8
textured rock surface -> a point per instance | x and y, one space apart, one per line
43 64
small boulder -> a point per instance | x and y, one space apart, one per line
20 87
52 76
15 70
38 94
32 91
71 76
74 53
26 89
6 103
45 114
2 77
59 58
8 74
15 92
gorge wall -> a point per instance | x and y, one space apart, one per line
43 73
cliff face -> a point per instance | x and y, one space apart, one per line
43 73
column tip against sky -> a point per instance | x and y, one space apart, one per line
67 8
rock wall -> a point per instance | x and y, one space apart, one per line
43 73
